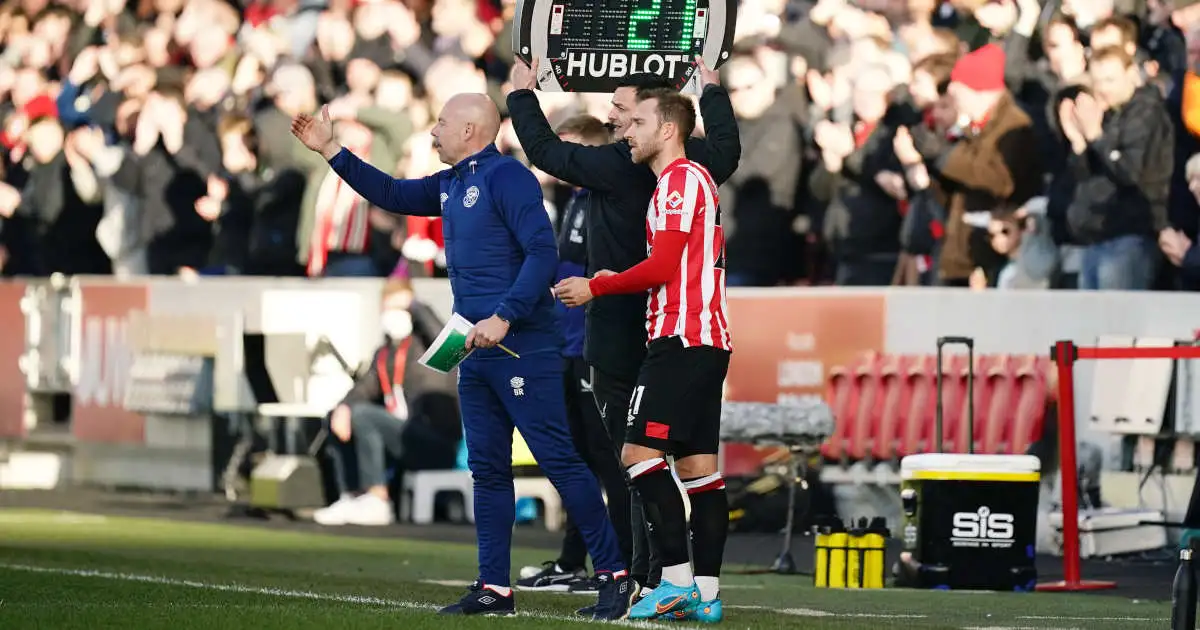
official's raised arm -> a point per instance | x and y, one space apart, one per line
401 196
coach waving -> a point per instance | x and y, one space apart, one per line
501 257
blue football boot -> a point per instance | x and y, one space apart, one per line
667 598
706 612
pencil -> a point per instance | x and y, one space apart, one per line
514 354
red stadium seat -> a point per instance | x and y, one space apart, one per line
897 395
842 396
1030 411
999 411
870 406
954 388
981 397
916 432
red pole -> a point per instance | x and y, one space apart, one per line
1064 355
1064 359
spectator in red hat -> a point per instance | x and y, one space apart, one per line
992 166
59 204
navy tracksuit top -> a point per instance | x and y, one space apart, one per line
501 253
572 261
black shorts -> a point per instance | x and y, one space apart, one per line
676 405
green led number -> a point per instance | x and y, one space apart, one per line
636 17
689 22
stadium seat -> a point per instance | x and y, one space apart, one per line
885 406
966 436
843 400
870 406
954 388
540 489
420 490
1029 412
916 430
999 412
897 393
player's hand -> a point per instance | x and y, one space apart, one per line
316 133
604 272
487 333
339 423
522 76
573 291
708 76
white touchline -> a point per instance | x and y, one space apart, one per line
280 592
1014 628
1056 618
465 583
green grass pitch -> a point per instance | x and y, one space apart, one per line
65 570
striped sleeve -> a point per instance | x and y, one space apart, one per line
679 202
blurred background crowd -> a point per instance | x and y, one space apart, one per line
991 144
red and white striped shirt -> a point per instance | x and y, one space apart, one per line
691 305
342 215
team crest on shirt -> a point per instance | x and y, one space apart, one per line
444 198
471 197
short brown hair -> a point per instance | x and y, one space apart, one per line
1113 52
1125 26
235 123
240 125
939 68
587 127
948 39
673 108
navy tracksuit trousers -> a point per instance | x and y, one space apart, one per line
496 395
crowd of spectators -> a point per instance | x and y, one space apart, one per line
989 144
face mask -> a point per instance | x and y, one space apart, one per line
396 324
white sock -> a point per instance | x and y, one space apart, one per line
679 575
502 591
709 587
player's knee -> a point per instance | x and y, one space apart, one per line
695 466
632 455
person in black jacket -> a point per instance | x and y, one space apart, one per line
1122 145
394 411
615 329
254 210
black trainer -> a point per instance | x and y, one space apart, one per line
551 578
586 611
481 601
585 586
616 597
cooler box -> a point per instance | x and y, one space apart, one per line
970 521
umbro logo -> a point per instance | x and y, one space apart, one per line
487 599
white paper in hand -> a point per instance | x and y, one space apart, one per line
450 347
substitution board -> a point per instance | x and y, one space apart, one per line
588 45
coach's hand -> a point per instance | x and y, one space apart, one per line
317 133
487 333
574 291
